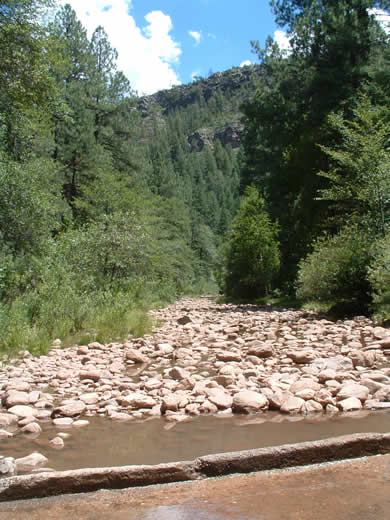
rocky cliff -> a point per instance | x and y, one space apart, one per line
230 88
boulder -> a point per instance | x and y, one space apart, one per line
178 373
350 404
138 400
14 397
353 390
219 397
292 405
90 373
7 466
70 409
22 410
247 401
337 363
32 427
30 462
260 350
227 355
135 356
302 357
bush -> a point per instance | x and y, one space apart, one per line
336 270
379 277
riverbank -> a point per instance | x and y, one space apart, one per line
204 358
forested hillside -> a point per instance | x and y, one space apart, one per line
317 150
110 203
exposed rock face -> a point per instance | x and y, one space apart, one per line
229 134
183 95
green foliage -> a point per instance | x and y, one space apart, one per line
253 254
30 208
359 183
335 46
379 277
336 270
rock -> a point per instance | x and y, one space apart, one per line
380 332
353 390
120 416
326 375
304 384
7 466
337 363
302 357
331 409
32 427
136 356
373 386
70 409
292 405
7 419
5 435
82 350
220 398
383 394
307 394
312 406
184 320
14 397
57 443
385 343
30 462
260 350
91 373
171 402
18 384
350 404
22 410
63 421
80 423
228 355
165 349
277 399
89 398
138 400
178 373
247 401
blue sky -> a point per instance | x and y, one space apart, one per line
166 42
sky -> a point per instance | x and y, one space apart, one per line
162 43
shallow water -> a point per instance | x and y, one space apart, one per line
107 443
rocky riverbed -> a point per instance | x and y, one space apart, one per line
203 358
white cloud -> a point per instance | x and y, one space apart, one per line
212 36
382 17
245 63
146 55
195 74
196 35
281 38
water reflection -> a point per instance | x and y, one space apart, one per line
107 443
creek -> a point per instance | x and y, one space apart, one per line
108 443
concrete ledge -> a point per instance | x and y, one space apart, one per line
92 479
289 455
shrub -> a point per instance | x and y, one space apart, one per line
336 270
379 277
